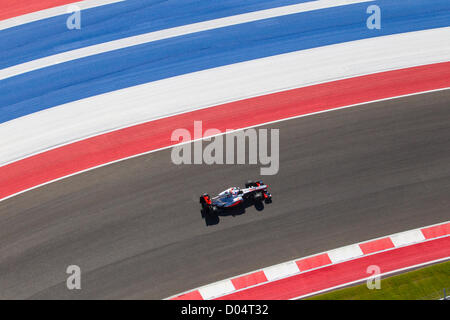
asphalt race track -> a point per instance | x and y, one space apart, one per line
136 231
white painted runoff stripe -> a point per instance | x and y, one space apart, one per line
170 33
52 12
81 119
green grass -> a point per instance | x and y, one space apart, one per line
425 283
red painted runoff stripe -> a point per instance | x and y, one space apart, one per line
14 8
102 149
345 272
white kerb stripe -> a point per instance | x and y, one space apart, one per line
216 289
281 270
169 33
52 12
407 237
345 253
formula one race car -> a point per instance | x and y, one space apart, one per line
254 193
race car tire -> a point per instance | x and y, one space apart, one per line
213 210
258 197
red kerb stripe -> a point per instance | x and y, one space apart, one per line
376 245
436 231
313 262
193 295
249 280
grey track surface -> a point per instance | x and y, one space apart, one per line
135 227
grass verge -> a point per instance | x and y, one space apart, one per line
425 283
